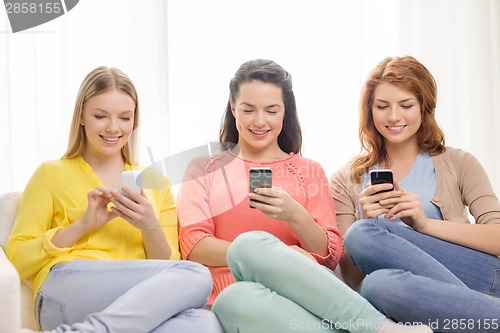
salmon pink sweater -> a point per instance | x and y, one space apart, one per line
213 202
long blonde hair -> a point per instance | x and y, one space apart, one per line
98 81
408 74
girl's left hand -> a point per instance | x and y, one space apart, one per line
407 207
136 209
275 203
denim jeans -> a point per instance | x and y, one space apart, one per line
413 277
283 291
131 296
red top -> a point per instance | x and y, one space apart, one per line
213 202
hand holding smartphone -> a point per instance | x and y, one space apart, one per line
382 176
129 178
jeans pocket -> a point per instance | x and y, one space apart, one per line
38 306
50 312
496 283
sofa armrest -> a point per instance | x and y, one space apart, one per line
10 296
16 299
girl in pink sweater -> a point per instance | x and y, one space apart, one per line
261 129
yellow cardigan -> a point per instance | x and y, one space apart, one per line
56 196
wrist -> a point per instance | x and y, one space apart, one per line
69 235
81 227
151 227
423 225
298 215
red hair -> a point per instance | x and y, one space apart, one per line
409 74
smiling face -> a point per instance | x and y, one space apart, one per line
108 120
396 115
259 111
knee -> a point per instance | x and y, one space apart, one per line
384 286
359 236
249 246
196 275
196 269
238 304
229 301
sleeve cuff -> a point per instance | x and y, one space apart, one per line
50 248
334 251
189 240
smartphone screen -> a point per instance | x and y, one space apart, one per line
381 176
260 177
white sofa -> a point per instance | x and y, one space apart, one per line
16 297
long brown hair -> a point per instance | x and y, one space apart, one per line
98 81
409 74
267 71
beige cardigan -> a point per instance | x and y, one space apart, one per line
461 182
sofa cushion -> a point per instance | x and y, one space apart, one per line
8 208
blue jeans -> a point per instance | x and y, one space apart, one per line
413 277
279 290
132 296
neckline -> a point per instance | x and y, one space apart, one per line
232 153
419 156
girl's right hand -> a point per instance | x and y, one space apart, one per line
97 213
370 200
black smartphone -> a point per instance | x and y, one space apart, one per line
260 177
382 176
